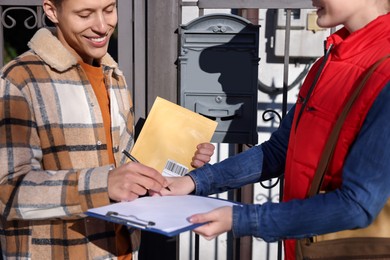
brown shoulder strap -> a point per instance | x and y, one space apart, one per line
331 143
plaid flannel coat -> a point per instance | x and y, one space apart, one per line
53 154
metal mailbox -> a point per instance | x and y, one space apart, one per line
218 74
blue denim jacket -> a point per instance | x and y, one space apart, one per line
364 191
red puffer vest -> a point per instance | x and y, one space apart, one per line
350 56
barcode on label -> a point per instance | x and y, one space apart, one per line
173 168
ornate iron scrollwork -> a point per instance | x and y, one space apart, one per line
30 22
271 111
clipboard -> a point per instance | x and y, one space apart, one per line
168 139
166 215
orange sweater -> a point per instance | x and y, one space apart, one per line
96 78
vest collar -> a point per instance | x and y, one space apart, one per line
347 44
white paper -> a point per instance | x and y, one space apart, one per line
169 213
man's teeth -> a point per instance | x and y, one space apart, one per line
98 39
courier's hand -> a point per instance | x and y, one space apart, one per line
218 221
131 180
203 154
178 186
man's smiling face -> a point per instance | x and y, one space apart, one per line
85 26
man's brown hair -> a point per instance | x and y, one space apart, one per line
57 3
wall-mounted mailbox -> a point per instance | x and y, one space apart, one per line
218 70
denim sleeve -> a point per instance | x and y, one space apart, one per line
261 162
364 191
275 149
231 173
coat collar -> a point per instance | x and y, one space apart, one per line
47 46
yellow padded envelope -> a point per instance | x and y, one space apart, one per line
171 132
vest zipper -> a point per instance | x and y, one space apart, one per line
313 84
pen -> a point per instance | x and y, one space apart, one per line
132 158
128 155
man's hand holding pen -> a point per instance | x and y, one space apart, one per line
131 180
134 179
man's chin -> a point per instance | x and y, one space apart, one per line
98 55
